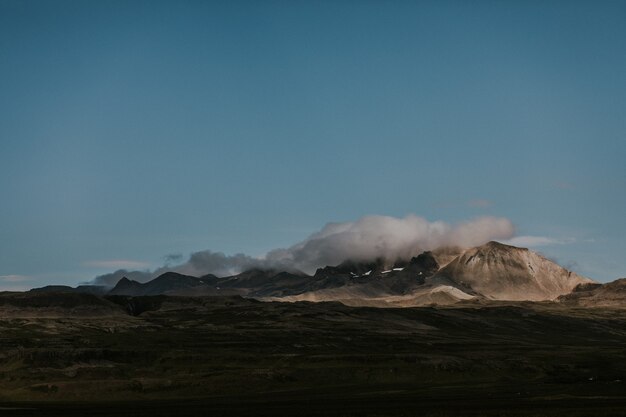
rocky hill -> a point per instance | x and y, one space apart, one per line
493 271
612 294
502 272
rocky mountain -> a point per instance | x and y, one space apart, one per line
502 272
376 283
261 283
252 283
611 294
493 271
167 283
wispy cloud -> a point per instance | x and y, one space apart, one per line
15 278
173 257
535 241
117 264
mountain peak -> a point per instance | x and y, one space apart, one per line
125 286
505 272
497 246
425 262
173 277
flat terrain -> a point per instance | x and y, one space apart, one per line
158 356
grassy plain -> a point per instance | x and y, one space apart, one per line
158 356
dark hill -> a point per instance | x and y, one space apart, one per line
86 289
167 283
611 294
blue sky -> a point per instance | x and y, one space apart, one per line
132 130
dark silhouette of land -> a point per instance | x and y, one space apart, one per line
71 354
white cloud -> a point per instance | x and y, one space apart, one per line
386 237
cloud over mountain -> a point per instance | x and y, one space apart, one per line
367 238
387 237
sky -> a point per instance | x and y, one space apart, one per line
137 132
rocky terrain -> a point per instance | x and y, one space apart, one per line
612 294
502 272
493 271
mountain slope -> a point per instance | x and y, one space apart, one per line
403 284
502 272
167 283
83 289
258 282
493 271
611 294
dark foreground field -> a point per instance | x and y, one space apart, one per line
164 356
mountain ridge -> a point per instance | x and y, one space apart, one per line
492 271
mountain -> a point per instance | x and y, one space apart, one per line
611 294
493 271
502 272
127 286
167 283
83 289
252 283
372 284
262 283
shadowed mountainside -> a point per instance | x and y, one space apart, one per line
492 271
611 294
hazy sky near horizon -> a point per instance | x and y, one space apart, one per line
133 130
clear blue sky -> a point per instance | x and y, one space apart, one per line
130 130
